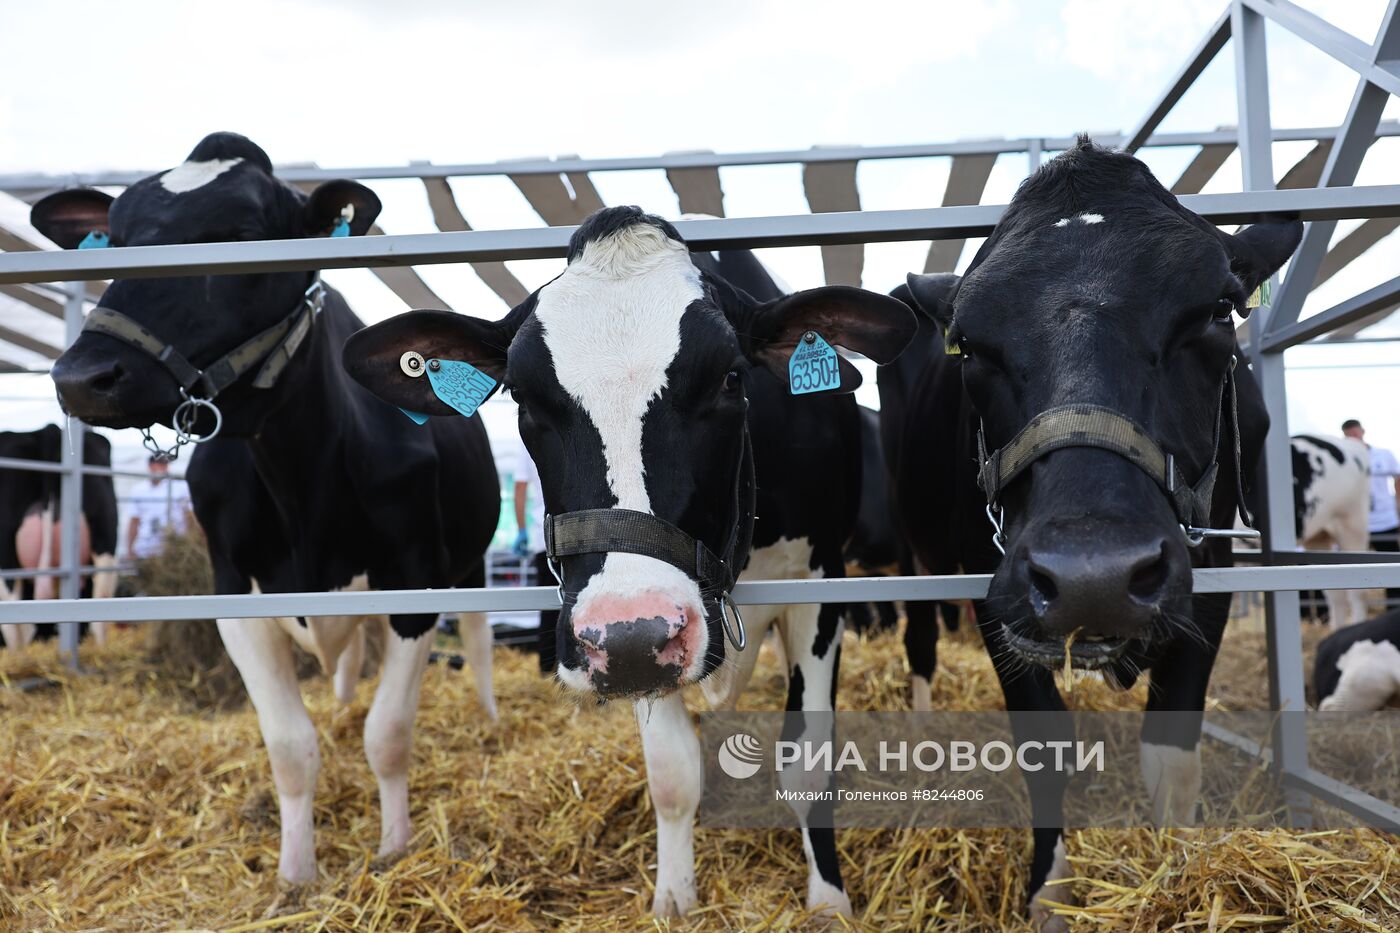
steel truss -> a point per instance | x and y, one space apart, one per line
1321 193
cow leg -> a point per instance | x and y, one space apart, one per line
389 728
920 640
18 636
1032 689
262 652
104 586
675 779
347 666
477 642
1170 745
812 638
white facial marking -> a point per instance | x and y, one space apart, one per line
612 326
188 176
1081 218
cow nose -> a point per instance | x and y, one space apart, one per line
639 644
80 383
1110 592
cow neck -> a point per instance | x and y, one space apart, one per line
301 427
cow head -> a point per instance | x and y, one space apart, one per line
224 191
630 370
1097 287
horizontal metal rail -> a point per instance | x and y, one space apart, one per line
837 228
86 570
527 598
38 181
48 466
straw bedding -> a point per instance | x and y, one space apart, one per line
124 805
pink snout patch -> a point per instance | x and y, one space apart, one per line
639 643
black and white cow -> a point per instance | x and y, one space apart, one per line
637 371
1357 669
30 534
1331 502
360 496
1096 287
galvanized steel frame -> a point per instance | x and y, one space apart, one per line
1277 327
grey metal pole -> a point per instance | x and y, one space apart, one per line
1281 612
71 492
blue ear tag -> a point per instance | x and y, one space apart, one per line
460 384
417 417
814 366
342 228
97 239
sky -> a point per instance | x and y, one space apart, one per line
361 82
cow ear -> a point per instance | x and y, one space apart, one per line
1259 250
333 200
67 217
871 324
374 357
931 294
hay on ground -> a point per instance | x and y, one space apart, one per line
122 808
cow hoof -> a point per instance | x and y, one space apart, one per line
921 694
1043 917
292 898
673 902
386 860
827 900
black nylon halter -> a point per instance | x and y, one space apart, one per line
1086 425
273 348
626 531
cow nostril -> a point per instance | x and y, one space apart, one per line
106 380
1043 588
1149 576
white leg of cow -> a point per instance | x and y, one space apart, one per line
389 732
814 655
104 586
477 642
1043 919
46 587
1173 779
262 652
17 637
347 667
676 779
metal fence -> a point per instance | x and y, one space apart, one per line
1327 198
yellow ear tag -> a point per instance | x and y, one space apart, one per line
950 349
1261 295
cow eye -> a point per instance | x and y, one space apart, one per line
1222 309
733 382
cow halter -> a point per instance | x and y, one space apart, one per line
1086 425
626 531
272 349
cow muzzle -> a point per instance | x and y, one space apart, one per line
649 643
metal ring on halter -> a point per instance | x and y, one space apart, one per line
995 516
742 639
558 576
187 413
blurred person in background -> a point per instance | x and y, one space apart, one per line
529 543
1385 497
159 505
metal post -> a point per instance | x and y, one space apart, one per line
1281 612
71 492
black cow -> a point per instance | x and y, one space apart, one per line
1097 288
1357 669
320 486
640 372
30 533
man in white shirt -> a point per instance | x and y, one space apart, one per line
1385 496
157 505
